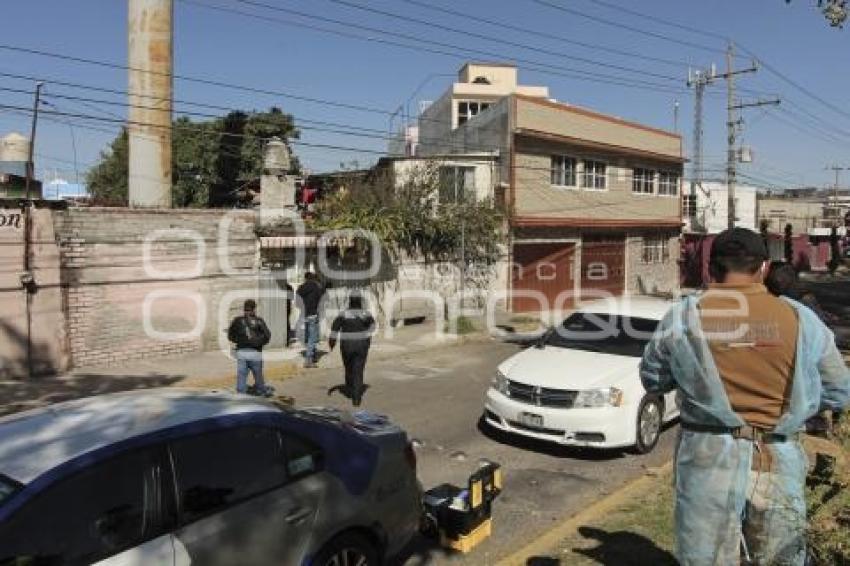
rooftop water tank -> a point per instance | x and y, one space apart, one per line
14 147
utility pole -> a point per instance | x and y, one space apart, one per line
30 155
676 116
837 169
733 122
27 279
699 80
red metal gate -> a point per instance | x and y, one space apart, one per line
541 272
603 265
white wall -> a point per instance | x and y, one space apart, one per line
486 170
712 206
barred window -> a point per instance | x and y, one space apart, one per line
689 206
668 183
655 249
594 175
643 181
563 171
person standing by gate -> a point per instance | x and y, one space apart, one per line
749 368
354 328
310 295
249 333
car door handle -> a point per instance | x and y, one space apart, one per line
297 515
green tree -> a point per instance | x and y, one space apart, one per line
107 181
211 159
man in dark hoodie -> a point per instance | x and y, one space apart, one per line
310 295
249 333
353 328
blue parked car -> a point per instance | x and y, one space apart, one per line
178 477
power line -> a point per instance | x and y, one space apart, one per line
808 92
208 82
501 40
612 23
538 33
657 20
555 70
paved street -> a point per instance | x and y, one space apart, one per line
437 396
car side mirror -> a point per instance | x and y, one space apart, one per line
540 343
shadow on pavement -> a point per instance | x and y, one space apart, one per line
623 547
420 551
618 548
23 394
548 448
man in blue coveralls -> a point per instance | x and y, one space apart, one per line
749 368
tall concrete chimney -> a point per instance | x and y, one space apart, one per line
150 37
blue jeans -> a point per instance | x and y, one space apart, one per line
311 337
249 360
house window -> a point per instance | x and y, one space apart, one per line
594 175
689 206
668 183
655 249
466 110
563 171
456 183
643 181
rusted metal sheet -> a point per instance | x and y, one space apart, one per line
541 268
603 264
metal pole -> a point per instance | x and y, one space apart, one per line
30 164
730 131
27 280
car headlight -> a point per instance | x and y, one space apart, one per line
604 397
500 383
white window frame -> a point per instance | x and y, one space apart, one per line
655 249
469 114
687 208
561 170
675 184
644 178
595 175
458 179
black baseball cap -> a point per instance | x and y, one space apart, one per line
739 242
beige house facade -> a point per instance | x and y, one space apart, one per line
594 201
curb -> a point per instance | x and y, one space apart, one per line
550 539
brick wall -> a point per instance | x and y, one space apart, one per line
645 277
32 329
148 283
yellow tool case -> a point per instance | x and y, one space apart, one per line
461 517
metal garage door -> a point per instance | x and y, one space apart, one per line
603 264
545 268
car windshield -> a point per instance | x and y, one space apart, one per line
604 333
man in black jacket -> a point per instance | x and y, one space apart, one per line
310 295
249 333
354 328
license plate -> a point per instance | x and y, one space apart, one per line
530 419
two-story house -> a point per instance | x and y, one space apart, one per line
593 200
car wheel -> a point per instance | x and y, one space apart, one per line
350 549
648 425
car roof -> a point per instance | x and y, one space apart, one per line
38 440
640 306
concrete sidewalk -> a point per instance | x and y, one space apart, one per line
209 369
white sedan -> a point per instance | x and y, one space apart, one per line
579 385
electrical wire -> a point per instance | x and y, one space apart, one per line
445 49
633 29
500 40
536 33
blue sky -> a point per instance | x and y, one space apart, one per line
792 144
